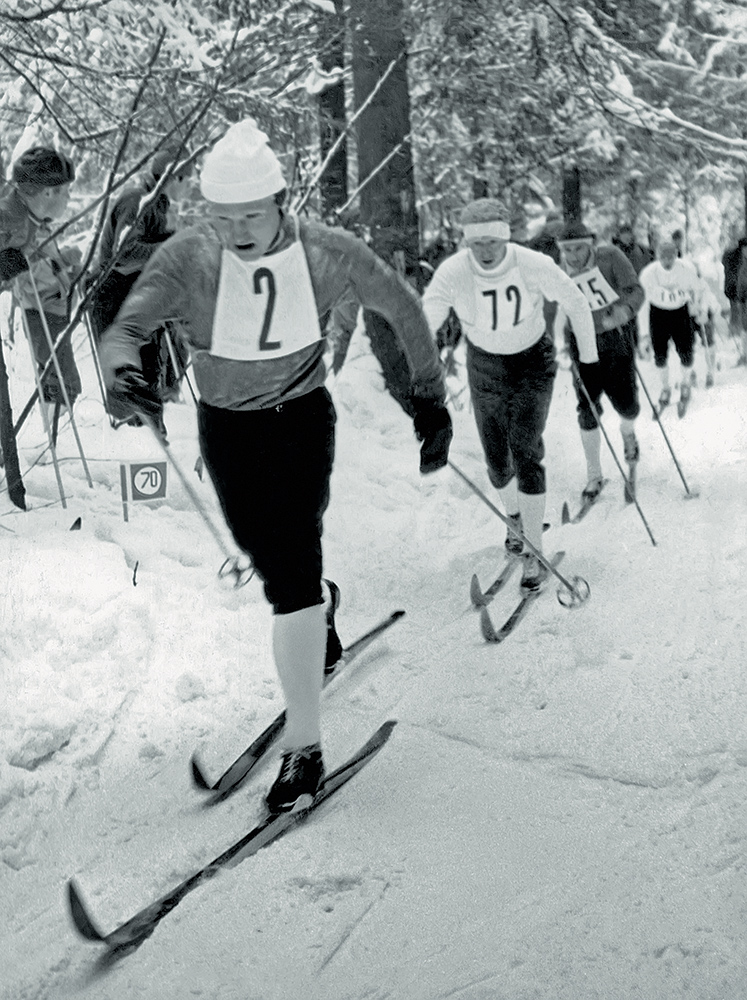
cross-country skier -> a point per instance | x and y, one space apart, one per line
609 282
498 289
250 288
673 290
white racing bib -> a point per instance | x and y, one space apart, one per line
595 287
502 308
265 308
668 296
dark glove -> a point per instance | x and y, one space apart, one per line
433 427
591 376
12 263
131 392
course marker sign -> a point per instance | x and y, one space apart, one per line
142 481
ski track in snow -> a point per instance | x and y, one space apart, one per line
563 815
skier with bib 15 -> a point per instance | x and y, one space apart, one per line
250 287
497 290
609 282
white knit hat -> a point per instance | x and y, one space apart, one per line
241 167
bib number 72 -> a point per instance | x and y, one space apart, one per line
512 294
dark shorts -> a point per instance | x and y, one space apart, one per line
64 351
617 377
674 325
271 471
511 394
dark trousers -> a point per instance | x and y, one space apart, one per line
511 394
70 375
617 377
674 325
271 470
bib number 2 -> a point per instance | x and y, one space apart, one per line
260 275
512 295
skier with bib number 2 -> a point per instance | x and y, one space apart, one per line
498 289
250 287
609 282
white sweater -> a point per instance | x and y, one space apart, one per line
501 310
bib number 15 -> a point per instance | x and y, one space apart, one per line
265 275
512 295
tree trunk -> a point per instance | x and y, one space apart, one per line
388 199
333 185
16 489
572 194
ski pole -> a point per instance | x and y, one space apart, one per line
689 495
52 345
43 411
231 565
597 417
578 589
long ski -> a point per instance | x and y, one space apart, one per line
519 612
586 504
131 934
234 776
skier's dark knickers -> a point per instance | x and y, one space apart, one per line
511 394
271 471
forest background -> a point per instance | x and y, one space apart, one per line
390 114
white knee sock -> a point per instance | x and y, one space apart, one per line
532 508
510 497
591 440
299 642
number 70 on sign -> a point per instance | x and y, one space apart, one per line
142 481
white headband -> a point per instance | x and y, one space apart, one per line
495 230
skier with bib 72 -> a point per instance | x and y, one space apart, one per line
497 290
250 287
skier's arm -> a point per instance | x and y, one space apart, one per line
380 289
552 282
438 299
629 290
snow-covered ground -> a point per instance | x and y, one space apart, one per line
561 817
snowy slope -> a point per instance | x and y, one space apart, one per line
563 816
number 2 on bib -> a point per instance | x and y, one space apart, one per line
265 344
512 293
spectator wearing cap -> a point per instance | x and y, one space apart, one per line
497 290
610 285
135 227
637 254
251 286
36 198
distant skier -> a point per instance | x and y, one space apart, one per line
609 282
497 290
673 291
250 288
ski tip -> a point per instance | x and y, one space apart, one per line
77 524
395 615
475 592
83 923
565 516
486 626
198 777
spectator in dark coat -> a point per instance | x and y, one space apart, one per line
638 255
